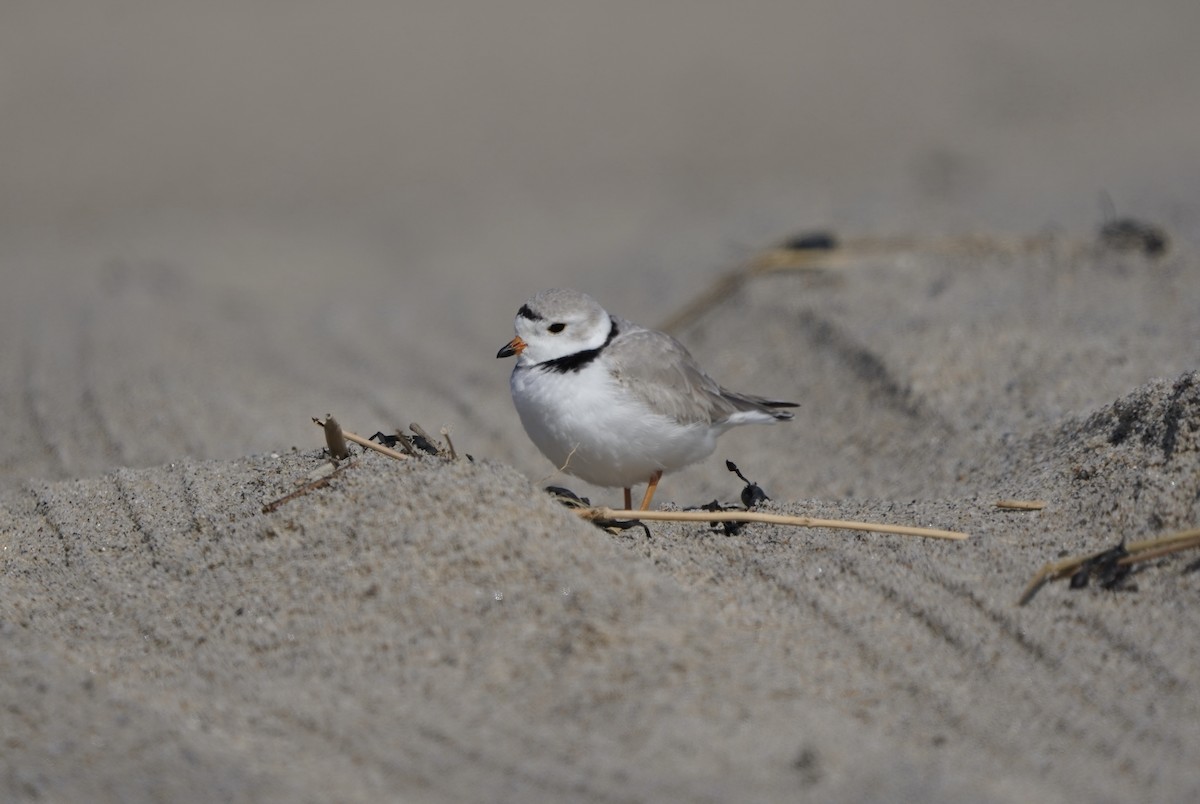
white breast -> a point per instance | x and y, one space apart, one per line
591 428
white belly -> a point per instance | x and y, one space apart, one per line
589 427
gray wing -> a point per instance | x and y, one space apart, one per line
661 372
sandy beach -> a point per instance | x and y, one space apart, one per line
222 221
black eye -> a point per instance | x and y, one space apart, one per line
557 327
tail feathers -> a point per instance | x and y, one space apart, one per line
780 415
758 404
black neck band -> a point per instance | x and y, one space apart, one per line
576 361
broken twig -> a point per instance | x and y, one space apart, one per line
334 439
320 482
363 442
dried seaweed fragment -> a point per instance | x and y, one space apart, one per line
1130 234
1105 568
752 494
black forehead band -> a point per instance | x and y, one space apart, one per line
525 312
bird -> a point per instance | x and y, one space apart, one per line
615 403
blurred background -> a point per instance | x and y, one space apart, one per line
412 172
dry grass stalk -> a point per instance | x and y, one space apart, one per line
445 431
1137 552
1021 505
772 519
845 253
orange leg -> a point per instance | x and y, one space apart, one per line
650 487
628 499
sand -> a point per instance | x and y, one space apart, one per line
220 223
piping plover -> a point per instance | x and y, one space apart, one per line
615 403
